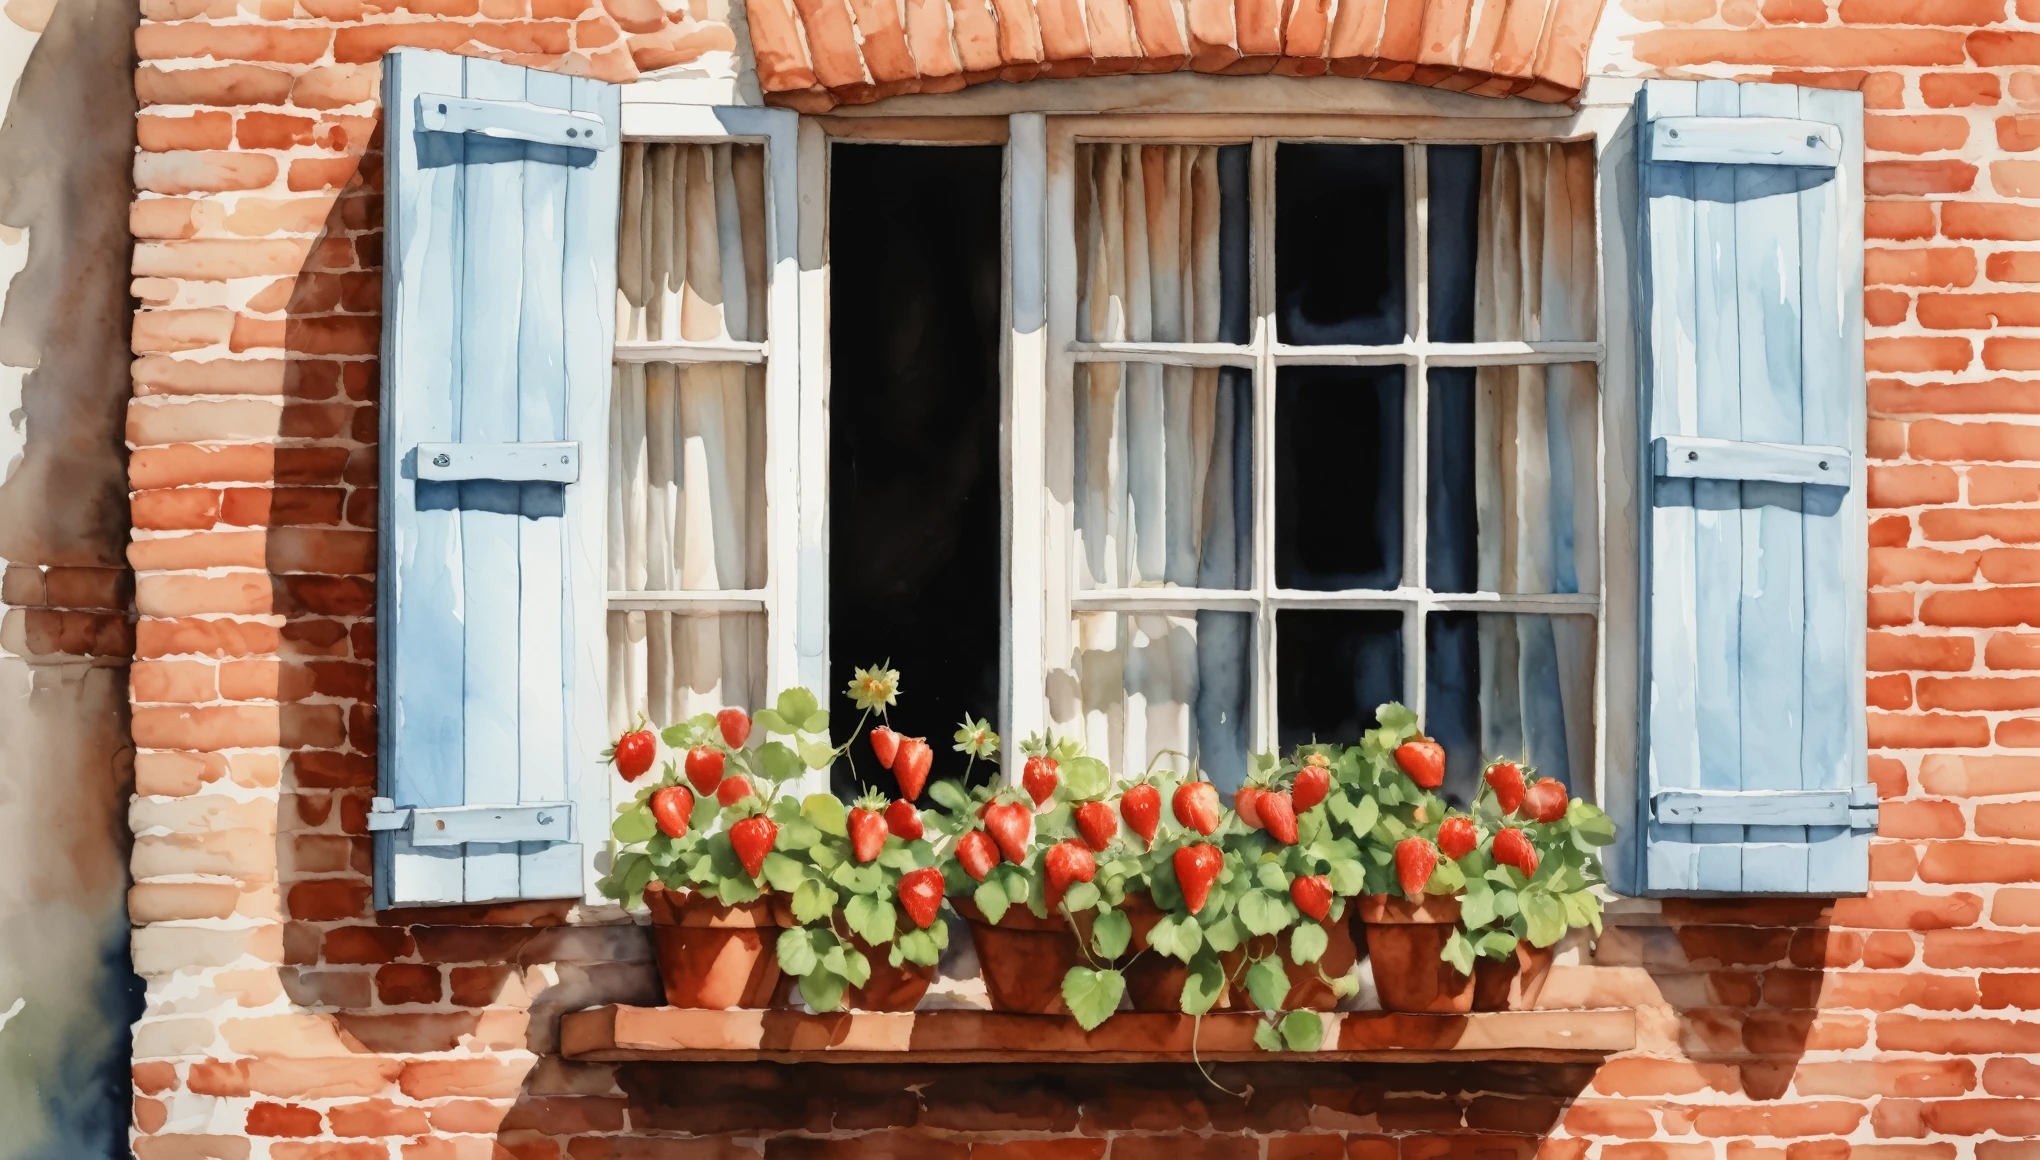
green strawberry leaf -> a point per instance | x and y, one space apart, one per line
1086 778
950 796
796 952
812 901
1397 720
1080 896
898 858
991 899
1092 995
823 990
1498 944
1224 934
858 879
816 722
783 873
1347 875
778 762
1268 983
1545 916
1302 1030
1582 909
817 754
1265 912
1459 952
771 722
738 888
871 919
1177 937
1477 905
635 825
1110 932
1266 1037
1307 943
826 813
856 967
1271 877
1204 984
918 946
795 704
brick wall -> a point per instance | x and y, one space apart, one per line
286 1020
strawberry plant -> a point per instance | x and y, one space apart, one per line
1533 878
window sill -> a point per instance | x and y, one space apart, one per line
620 1033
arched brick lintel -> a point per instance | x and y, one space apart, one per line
816 54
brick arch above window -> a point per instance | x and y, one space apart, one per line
816 54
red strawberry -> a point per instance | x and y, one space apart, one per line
1507 779
752 839
1246 803
1197 868
1513 848
867 834
1278 817
977 854
921 895
633 753
1312 785
1312 895
910 765
1098 824
704 768
1415 858
1141 806
1424 760
1009 823
1456 836
903 820
735 725
1545 800
671 807
1039 778
1067 861
1196 806
733 790
885 744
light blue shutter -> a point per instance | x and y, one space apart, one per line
498 308
1754 750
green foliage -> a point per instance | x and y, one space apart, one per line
1092 995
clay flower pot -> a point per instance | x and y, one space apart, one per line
1023 958
716 956
1404 940
1511 984
1154 981
1307 989
890 988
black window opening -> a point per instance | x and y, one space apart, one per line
915 532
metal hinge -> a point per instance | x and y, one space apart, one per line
458 825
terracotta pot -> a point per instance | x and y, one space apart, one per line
711 955
1511 984
1308 990
1023 958
890 988
1155 981
1404 941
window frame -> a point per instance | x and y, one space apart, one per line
1599 119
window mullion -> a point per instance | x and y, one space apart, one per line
1416 428
1262 201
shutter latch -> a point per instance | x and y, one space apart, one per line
458 825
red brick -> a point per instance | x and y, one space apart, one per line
1932 12
1959 90
2011 354
1889 566
1948 266
2019 733
1954 949
256 42
1979 311
1969 693
1886 307
1974 1117
1965 1036
1991 48
1908 910
2008 820
1969 861
1809 1119
378 1118
1919 819
1914 133
1927 731
1917 178
1986 608
1916 354
1896 1117
365 944
407 983
2011 565
2013 266
1887 990
202 130
1890 609
1899 220
481 1078
1890 691
234 84
1890 532
1801 48
1862 1079
1893 652
267 1119
1913 485
1990 221
2020 990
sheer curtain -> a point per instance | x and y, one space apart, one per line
687 440
1536 486
1163 490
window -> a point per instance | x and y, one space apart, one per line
1325 433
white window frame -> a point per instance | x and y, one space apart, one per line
1044 121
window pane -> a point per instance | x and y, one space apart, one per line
1339 274
1514 493
913 470
1511 685
670 666
1164 489
687 477
1332 669
691 260
1534 254
1162 243
1338 477
1453 178
1143 684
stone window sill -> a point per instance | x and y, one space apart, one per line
619 1033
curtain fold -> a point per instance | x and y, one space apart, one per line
1535 433
687 441
1163 488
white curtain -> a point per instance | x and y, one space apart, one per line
1162 490
687 442
1536 489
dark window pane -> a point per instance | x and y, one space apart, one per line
914 436
1235 246
1338 477
1332 668
1454 183
1452 560
1339 244
1500 684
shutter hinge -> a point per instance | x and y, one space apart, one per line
1697 457
457 825
1855 808
511 462
1746 141
514 120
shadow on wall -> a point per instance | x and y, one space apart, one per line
67 994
